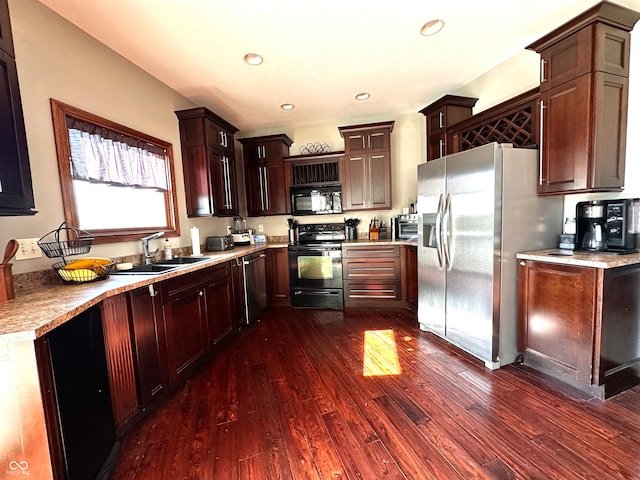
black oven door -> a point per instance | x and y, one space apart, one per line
315 274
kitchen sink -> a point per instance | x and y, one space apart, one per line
152 269
182 260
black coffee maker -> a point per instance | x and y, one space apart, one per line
591 233
608 225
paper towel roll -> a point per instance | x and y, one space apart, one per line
195 241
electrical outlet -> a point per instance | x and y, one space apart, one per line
260 227
28 248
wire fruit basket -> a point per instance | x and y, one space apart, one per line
77 242
66 241
84 270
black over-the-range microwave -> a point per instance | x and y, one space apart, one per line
315 200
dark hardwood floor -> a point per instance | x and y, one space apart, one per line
289 399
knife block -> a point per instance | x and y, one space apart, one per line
6 282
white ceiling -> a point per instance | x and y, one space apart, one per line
318 53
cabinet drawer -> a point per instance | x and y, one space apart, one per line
354 290
352 251
379 268
177 286
567 59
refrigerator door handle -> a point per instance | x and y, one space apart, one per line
439 231
446 226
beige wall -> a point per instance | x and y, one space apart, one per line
57 60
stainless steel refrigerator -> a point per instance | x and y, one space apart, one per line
477 209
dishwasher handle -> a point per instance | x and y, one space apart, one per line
255 259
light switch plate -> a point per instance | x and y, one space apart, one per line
28 248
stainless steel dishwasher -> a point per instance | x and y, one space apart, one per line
255 286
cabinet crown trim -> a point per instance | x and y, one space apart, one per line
314 158
603 12
200 112
367 126
449 100
283 137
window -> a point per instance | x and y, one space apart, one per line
117 183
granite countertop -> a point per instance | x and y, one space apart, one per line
582 259
36 311
33 313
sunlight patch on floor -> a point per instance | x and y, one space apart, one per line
380 354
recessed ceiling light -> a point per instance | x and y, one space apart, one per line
362 96
287 106
253 59
432 27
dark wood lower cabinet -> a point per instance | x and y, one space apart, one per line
237 278
580 324
278 289
198 312
150 347
372 276
118 344
410 267
185 324
220 308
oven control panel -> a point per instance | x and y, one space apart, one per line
321 232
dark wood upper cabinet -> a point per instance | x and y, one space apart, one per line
365 170
16 191
584 80
209 164
265 174
6 40
440 115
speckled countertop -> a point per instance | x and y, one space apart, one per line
582 259
34 312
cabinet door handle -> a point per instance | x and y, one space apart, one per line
440 148
227 187
266 188
260 178
543 70
152 291
440 120
523 264
200 293
541 143
225 166
229 182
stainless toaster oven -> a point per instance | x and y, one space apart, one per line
407 226
215 244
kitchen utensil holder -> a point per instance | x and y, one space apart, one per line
7 291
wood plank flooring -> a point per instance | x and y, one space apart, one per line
288 400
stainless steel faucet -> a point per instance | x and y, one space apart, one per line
145 246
